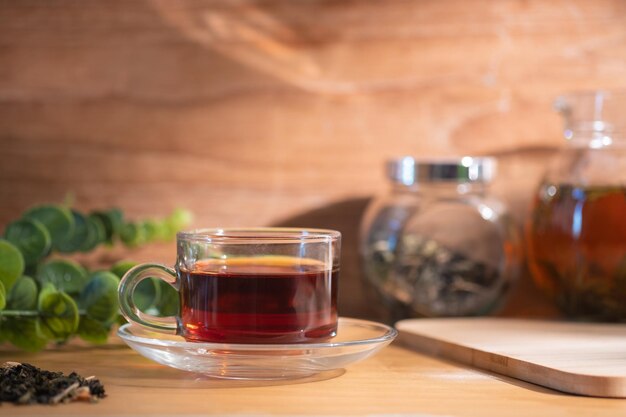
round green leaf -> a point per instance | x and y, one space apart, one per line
168 303
112 220
31 237
92 331
3 296
148 291
95 233
108 226
147 294
58 314
22 333
64 274
116 217
57 219
23 295
99 297
163 232
178 220
78 238
122 267
132 235
11 263
150 230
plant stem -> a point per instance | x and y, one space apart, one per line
19 313
29 313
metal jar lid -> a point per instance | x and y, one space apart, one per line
409 171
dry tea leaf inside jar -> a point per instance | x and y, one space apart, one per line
451 251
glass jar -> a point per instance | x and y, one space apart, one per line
576 235
438 244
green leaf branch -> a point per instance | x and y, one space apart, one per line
52 300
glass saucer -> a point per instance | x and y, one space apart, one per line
355 341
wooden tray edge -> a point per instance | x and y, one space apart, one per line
564 381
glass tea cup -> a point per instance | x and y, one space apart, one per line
256 285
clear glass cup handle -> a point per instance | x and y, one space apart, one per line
127 305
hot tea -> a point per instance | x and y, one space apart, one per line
577 249
267 299
255 286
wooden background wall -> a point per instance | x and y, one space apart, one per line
283 111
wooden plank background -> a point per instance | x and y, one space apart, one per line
281 111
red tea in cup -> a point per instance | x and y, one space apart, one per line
259 300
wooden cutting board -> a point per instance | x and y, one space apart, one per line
578 358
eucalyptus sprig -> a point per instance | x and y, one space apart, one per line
44 300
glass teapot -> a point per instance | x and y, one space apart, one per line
576 235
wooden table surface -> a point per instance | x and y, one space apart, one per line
397 381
